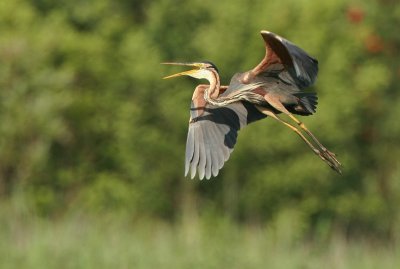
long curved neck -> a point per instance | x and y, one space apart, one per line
213 90
211 93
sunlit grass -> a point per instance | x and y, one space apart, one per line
79 241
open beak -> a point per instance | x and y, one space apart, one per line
185 73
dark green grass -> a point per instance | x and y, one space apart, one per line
79 241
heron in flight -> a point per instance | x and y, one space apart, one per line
276 85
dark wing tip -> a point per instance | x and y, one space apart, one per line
302 67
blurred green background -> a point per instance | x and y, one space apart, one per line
92 139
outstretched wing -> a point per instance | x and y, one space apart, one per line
282 59
282 53
213 135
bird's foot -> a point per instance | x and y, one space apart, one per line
330 159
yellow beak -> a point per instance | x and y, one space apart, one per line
185 73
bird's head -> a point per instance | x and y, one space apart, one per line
201 70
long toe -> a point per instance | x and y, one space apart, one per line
337 169
330 155
331 160
333 156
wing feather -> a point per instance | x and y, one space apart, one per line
212 137
202 155
189 149
195 158
208 157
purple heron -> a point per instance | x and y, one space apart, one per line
276 85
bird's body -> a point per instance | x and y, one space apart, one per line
274 86
276 83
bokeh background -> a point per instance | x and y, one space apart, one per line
92 139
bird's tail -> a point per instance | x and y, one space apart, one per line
307 103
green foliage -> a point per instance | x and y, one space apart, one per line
88 125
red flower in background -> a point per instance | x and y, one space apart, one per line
374 43
355 14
